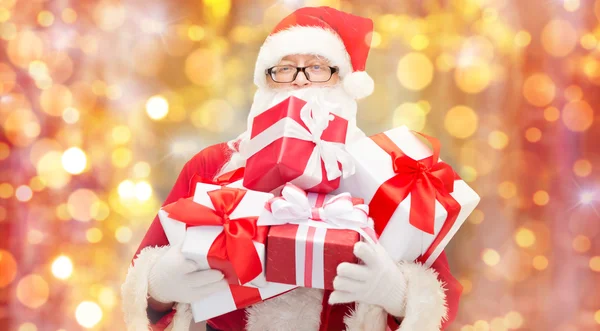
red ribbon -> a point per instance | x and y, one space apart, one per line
425 180
224 179
234 244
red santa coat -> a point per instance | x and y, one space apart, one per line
437 283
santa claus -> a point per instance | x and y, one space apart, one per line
318 55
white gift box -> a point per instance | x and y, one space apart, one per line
402 240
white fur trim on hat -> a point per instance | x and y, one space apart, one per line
425 304
134 292
301 40
358 84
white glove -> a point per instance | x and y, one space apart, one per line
378 282
173 278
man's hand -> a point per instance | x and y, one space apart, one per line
379 281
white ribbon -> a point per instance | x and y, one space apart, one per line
293 207
316 121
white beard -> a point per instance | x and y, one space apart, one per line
325 99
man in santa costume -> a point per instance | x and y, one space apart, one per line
318 54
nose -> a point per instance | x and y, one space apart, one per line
301 80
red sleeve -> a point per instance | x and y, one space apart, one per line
453 287
206 163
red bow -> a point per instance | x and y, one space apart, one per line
234 244
426 181
224 179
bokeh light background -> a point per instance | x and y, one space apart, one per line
102 102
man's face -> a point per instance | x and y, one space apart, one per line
313 63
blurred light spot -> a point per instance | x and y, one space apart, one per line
62 212
45 18
513 320
123 234
467 285
461 122
80 204
597 316
481 325
4 14
99 87
6 190
8 265
33 291
157 107
7 78
578 116
468 174
490 257
474 77
525 237
497 324
69 15
541 198
99 210
539 90
588 41
582 168
582 244
415 71
74 160
70 115
444 62
540 262
121 157
498 139
215 115
218 9
141 169
88 314
25 47
522 38
126 189
143 191
571 5
533 134
425 105
62 267
56 99
4 151
109 15
507 189
21 127
467 328
9 31
595 265
114 92
203 67
93 235
23 193
107 297
35 237
551 114
476 216
419 42
559 38
27 327
411 115
196 32
573 93
121 134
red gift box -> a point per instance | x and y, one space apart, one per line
289 144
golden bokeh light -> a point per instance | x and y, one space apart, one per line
99 210
21 127
88 314
522 38
468 174
203 67
93 235
126 189
415 71
539 90
25 47
35 237
507 189
196 32
582 168
33 291
214 115
498 139
62 267
597 316
419 42
474 77
74 160
476 217
80 204
69 15
461 122
559 38
490 257
540 262
573 93
121 133
578 116
70 115
23 193
8 265
157 107
109 15
121 157
56 99
595 263
7 78
50 169
143 191
525 237
107 297
467 285
45 18
141 169
551 114
582 244
123 234
541 198
588 41
571 5
410 114
6 190
533 134
513 320
445 62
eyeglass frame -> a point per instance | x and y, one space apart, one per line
303 69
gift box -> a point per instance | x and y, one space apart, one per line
311 234
416 200
292 143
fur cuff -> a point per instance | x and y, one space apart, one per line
425 304
297 310
134 292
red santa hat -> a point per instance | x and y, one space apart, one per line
342 38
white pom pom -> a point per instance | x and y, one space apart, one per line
358 84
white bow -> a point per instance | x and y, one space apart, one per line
293 207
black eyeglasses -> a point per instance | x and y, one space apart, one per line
314 73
